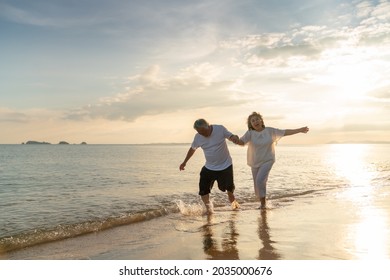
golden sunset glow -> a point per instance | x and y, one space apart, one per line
369 235
135 74
350 163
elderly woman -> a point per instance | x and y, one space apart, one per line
261 151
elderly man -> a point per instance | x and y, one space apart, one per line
218 166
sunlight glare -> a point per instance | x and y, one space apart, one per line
350 71
370 235
349 163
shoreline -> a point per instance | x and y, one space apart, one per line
328 227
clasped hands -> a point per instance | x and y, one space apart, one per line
234 139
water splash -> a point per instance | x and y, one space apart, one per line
192 209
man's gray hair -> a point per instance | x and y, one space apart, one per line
201 123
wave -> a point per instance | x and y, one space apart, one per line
60 232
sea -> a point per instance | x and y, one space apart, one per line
53 192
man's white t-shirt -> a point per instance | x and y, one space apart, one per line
261 145
214 148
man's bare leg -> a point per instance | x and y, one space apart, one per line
206 201
231 196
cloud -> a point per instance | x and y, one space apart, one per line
382 93
37 15
150 93
27 116
301 45
8 116
379 12
60 14
282 50
365 127
354 132
20 15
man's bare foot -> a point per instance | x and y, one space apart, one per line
235 205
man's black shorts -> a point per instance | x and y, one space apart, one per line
223 177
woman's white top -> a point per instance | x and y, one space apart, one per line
261 145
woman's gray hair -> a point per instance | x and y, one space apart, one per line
201 123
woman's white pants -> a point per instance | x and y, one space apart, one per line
260 178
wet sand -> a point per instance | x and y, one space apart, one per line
338 226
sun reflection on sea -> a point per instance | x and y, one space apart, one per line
350 163
368 237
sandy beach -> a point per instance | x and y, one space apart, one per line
338 226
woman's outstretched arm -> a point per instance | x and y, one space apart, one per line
295 131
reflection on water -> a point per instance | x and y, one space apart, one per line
351 162
223 244
267 252
370 235
228 248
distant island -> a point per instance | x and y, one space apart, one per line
37 143
47 143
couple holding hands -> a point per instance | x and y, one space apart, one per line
218 167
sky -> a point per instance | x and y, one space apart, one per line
142 71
